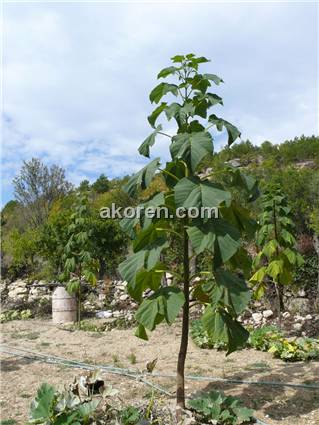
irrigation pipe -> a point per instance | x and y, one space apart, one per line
140 375
70 363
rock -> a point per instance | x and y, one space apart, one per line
299 305
297 326
301 293
299 318
117 313
308 317
104 314
257 317
268 313
286 314
124 297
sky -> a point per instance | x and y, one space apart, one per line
76 77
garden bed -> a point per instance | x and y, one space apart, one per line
273 405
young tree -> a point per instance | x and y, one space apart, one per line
37 187
277 257
218 288
78 261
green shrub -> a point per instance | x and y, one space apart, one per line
216 407
271 339
130 415
266 338
201 337
9 315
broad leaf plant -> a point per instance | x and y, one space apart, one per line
220 289
278 257
79 266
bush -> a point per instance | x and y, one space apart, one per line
9 315
215 407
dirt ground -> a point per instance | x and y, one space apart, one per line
20 377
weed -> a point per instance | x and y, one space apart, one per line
8 422
132 358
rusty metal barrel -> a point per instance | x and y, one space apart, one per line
64 306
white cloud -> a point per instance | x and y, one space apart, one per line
77 76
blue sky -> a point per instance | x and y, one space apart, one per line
76 77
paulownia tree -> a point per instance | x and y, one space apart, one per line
277 257
79 264
219 289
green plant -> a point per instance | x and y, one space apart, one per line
132 358
184 188
9 315
277 257
8 422
51 407
78 261
217 408
271 339
130 415
202 338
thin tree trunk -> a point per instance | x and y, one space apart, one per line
79 305
316 246
279 303
180 391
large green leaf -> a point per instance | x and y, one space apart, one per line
142 178
180 112
145 279
163 88
144 149
246 182
240 218
164 304
42 405
212 77
191 147
233 132
228 289
167 71
192 192
174 171
221 327
156 113
129 267
218 236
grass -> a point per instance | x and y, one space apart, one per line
8 422
132 358
30 335
116 360
44 344
25 395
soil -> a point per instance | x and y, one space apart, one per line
21 377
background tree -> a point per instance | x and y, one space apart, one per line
101 184
219 288
277 257
22 249
37 187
